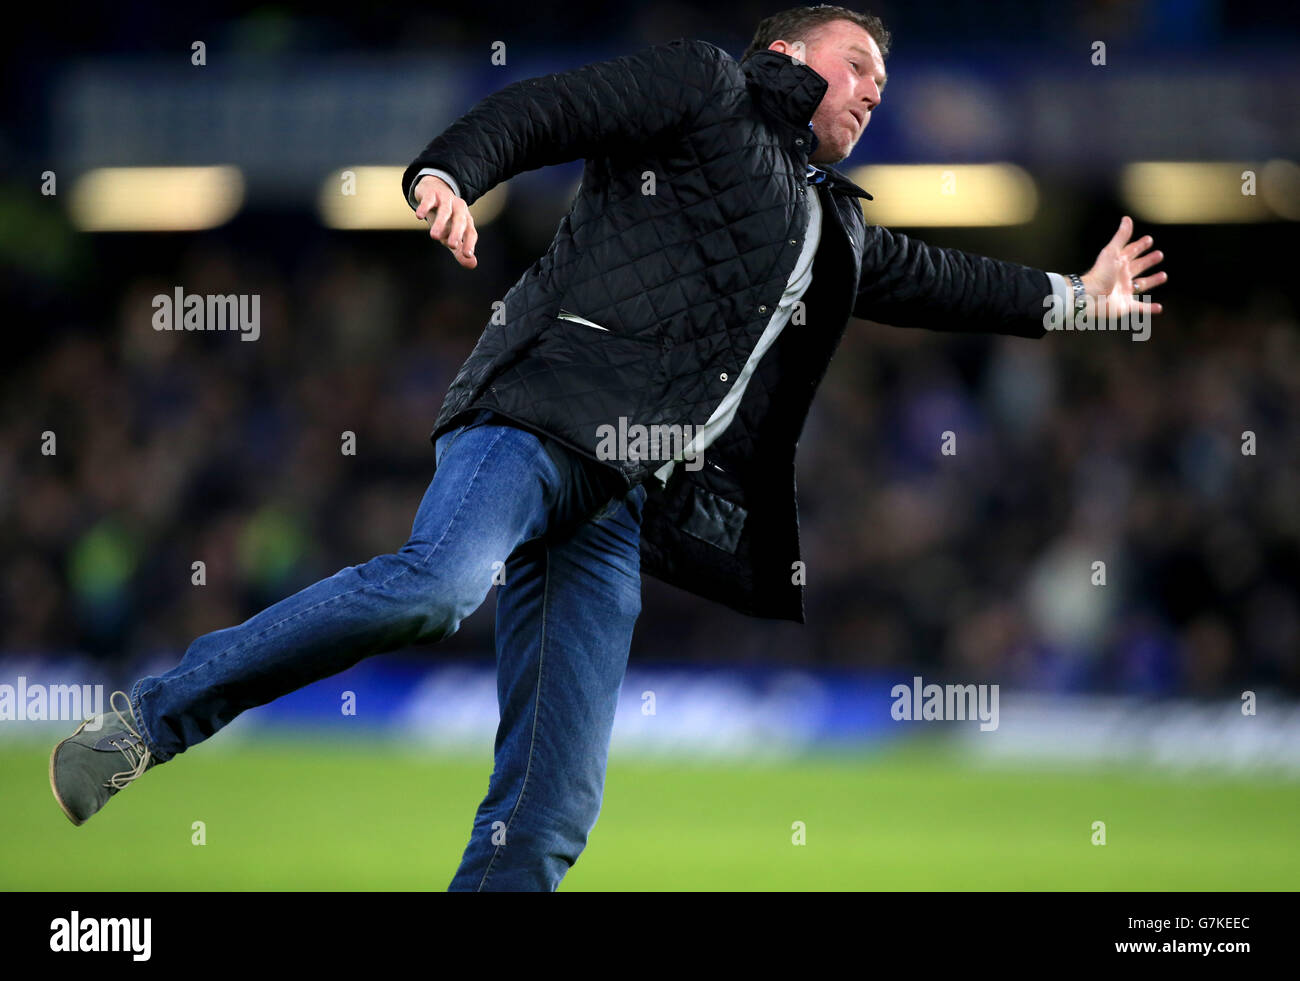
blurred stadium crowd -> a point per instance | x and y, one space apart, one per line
173 448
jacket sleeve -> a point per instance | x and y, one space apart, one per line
906 283
574 115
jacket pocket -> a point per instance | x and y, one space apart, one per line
566 315
714 519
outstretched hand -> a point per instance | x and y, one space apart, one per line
449 219
1119 277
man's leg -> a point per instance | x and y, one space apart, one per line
564 625
492 489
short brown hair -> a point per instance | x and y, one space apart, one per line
801 24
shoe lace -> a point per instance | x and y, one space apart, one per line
136 752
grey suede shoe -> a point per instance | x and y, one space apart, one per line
86 768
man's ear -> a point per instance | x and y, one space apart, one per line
795 49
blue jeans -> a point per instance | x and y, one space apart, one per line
565 613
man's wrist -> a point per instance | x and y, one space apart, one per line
442 175
1078 296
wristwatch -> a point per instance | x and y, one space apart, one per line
1080 294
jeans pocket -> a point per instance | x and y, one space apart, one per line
606 509
637 498
634 500
444 441
483 417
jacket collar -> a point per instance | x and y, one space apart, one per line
791 91
838 182
782 87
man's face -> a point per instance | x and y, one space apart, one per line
849 59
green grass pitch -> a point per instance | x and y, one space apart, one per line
307 814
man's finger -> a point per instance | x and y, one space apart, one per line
430 197
438 226
456 230
463 255
1146 306
1123 233
431 216
1143 263
471 239
1148 282
1135 249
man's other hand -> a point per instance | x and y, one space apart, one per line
1120 278
449 218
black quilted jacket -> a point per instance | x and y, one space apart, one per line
685 280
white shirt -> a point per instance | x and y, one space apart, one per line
795 287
